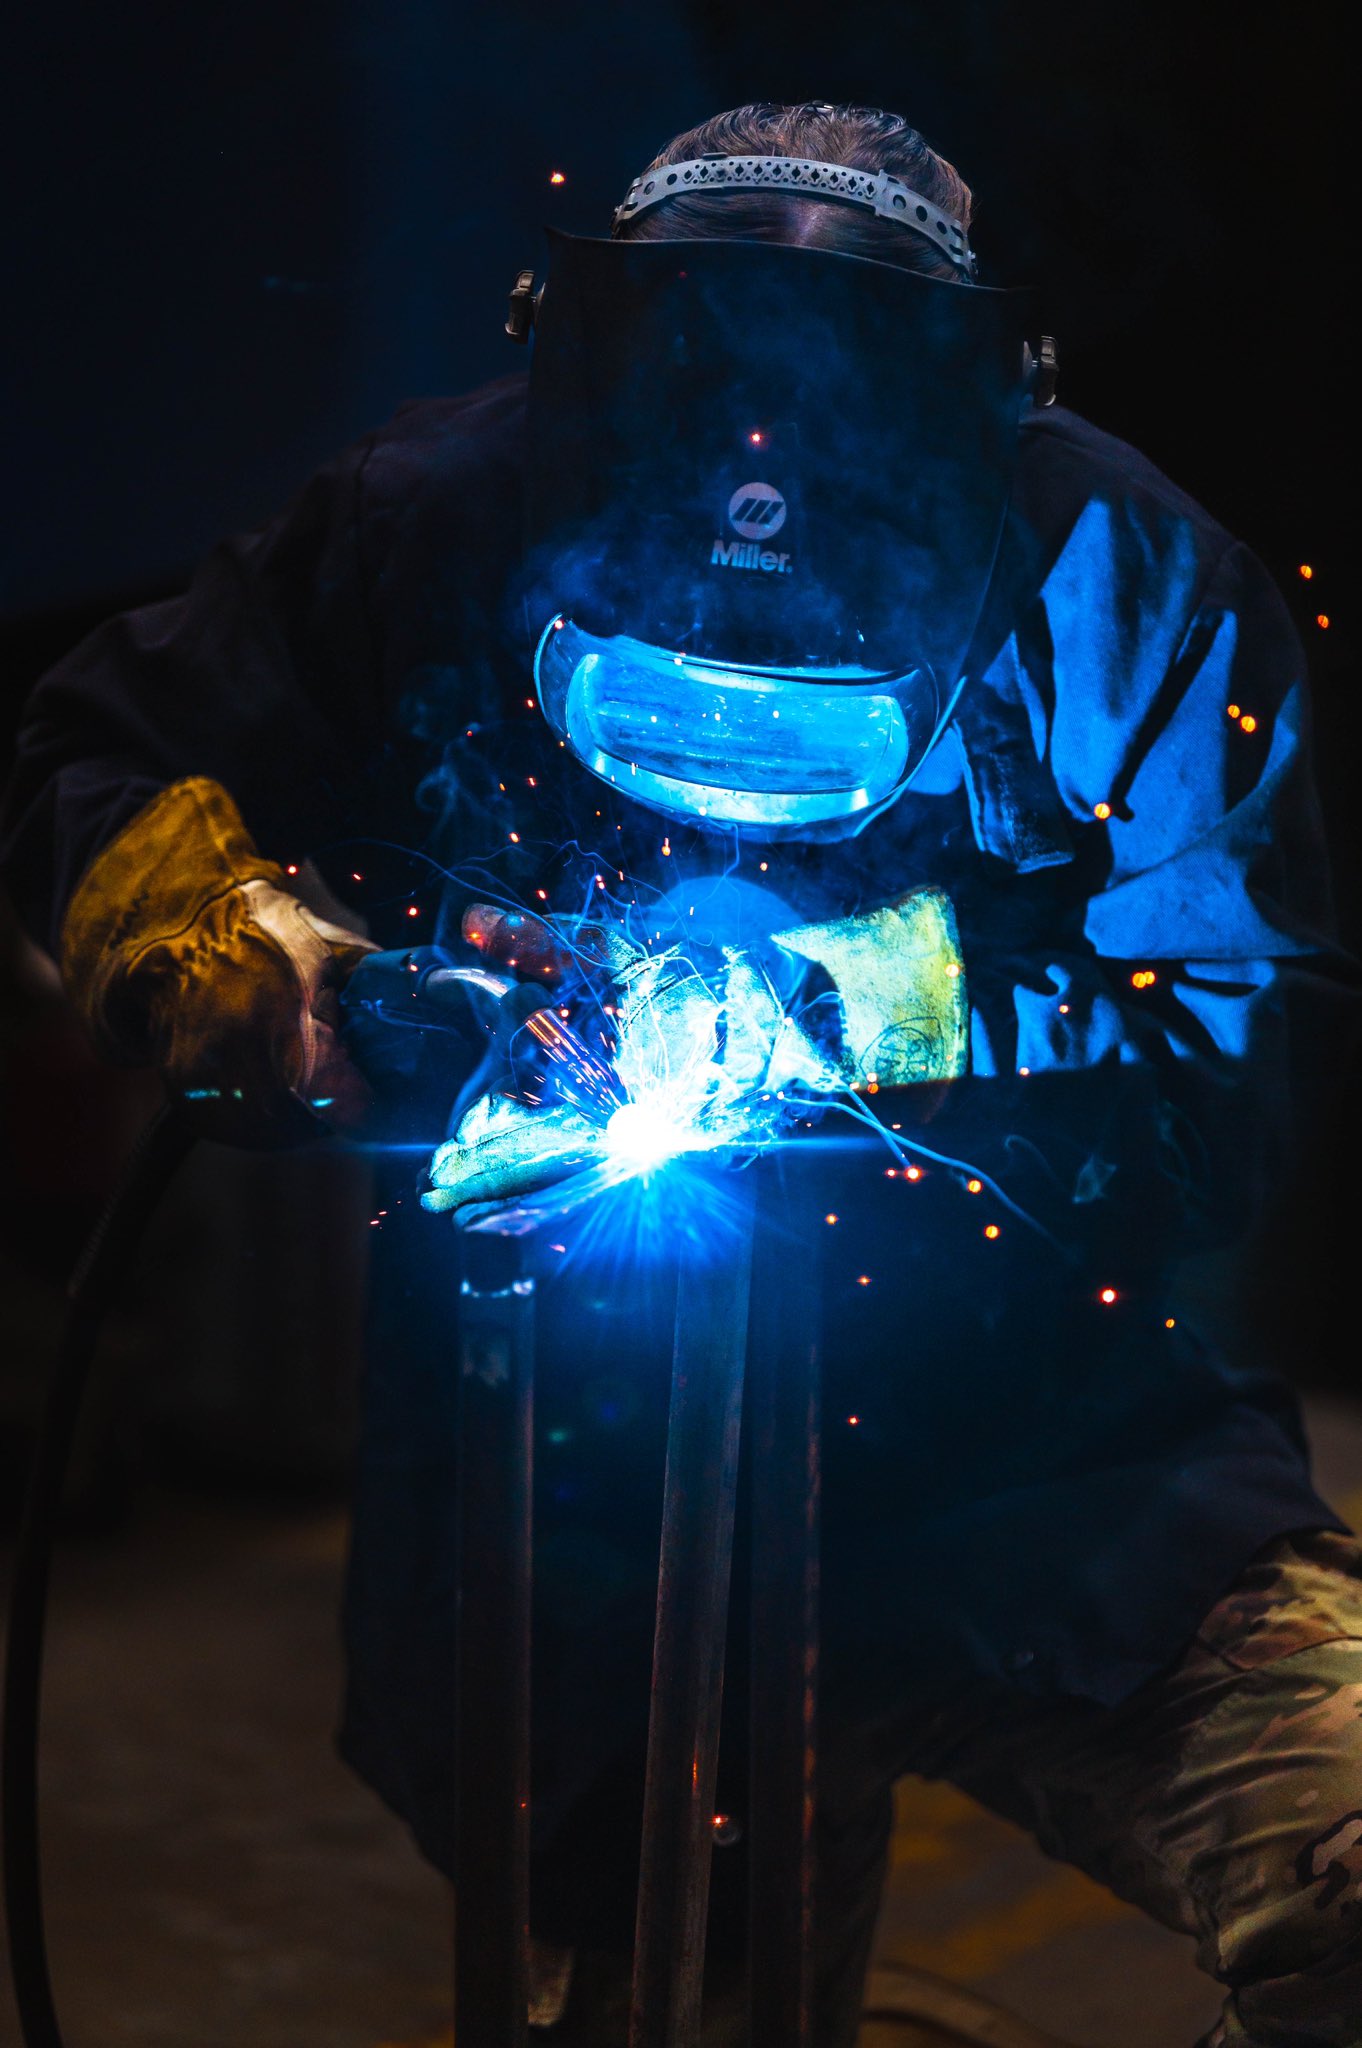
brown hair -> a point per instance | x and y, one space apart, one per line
866 138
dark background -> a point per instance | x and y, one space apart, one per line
241 236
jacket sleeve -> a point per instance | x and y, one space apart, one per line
1150 1032
262 677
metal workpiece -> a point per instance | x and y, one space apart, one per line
492 1736
692 1608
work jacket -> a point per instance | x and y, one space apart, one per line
1043 1459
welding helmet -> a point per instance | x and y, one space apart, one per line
766 487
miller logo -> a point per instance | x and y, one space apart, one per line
757 512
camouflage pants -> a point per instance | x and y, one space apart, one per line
1224 1797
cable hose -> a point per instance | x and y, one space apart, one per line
93 1288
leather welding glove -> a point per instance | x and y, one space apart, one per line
505 1149
185 949
897 991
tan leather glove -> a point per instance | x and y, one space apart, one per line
184 949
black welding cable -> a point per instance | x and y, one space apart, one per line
93 1289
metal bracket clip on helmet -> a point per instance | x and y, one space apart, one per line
522 307
1042 372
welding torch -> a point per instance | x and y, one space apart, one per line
418 987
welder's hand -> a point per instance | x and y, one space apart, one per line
897 977
184 949
546 954
765 1047
666 1018
504 1149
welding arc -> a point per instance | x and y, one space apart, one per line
94 1287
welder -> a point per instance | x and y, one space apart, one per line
786 593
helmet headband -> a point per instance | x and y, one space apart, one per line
880 192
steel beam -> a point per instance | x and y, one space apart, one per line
692 1611
492 1759
783 1449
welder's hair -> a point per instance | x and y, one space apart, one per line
866 138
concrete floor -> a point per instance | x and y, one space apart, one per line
217 1879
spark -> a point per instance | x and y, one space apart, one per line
1248 723
862 1279
1306 571
1102 810
557 178
1108 1295
412 911
1170 1322
1232 711
1322 621
974 1187
992 1230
